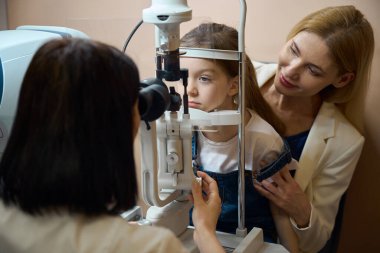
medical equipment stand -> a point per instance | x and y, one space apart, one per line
166 142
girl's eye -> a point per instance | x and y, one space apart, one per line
204 79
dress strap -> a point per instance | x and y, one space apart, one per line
284 158
194 150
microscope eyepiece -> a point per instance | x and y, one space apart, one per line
154 99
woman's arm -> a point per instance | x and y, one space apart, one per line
287 236
325 191
205 214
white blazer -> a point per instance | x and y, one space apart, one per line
326 166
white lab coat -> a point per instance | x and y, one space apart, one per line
20 232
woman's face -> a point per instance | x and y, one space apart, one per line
209 87
305 67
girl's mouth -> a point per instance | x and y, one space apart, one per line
193 104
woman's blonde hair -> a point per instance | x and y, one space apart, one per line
349 36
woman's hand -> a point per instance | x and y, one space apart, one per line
206 207
285 193
206 213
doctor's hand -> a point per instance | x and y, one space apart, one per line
285 193
207 208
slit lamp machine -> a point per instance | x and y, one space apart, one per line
166 137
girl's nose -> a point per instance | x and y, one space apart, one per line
192 90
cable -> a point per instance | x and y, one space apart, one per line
131 35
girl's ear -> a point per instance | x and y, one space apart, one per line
234 86
344 79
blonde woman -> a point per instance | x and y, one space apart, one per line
325 61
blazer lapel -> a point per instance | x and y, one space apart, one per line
322 129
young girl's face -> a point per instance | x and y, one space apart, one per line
209 87
306 67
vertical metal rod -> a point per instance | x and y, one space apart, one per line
241 230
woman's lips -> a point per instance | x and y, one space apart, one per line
285 82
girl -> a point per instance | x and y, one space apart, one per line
214 85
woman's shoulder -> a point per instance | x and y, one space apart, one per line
134 237
81 233
331 121
160 240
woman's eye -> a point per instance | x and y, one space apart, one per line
293 50
314 71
